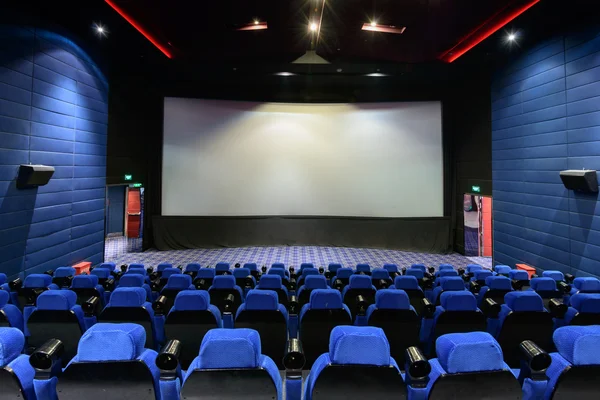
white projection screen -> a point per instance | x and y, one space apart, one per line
230 158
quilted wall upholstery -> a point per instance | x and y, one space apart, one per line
53 111
546 118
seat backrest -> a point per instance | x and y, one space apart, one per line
222 268
243 278
556 275
344 274
63 276
481 275
137 265
363 268
496 288
324 311
546 288
458 313
446 267
381 278
128 304
393 313
111 266
304 266
262 312
502 269
333 267
584 310
175 284
410 285
16 374
204 278
519 275
190 318
222 287
232 357
163 266
168 272
192 268
417 273
111 358
575 367
10 315
273 282
311 283
587 285
359 285
465 358
471 268
421 267
447 272
57 316
447 284
86 286
523 317
357 365
391 268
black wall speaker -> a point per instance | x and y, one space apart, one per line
581 180
31 176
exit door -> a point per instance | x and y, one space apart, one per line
134 213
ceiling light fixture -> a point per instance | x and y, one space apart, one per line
100 30
511 37
373 27
373 23
284 73
313 26
256 22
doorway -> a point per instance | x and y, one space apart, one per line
478 225
123 221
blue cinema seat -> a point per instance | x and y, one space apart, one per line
33 286
128 304
111 362
445 272
446 284
136 280
63 276
253 267
502 270
522 317
585 285
230 365
16 374
273 282
56 316
519 278
175 284
556 275
443 267
10 315
547 289
304 266
357 365
86 286
166 274
480 276
342 278
458 313
192 269
575 368
262 312
160 268
381 278
392 269
400 322
244 278
306 272
311 283
221 289
190 318
204 278
282 274
363 269
410 285
419 266
495 288
469 366
471 268
359 285
222 268
324 311
332 269
584 309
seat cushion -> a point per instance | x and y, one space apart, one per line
230 348
393 299
469 352
56 300
579 344
524 301
362 345
111 342
11 345
192 300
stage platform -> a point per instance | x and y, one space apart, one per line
117 250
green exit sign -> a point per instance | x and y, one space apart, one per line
128 177
476 189
137 185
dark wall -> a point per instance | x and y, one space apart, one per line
546 118
53 111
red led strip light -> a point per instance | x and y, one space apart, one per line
479 35
141 30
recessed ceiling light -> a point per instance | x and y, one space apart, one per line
313 27
373 23
284 73
511 37
256 22
100 30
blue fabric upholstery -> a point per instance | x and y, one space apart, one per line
321 299
587 285
187 300
25 373
447 272
458 301
222 267
56 300
316 282
169 272
278 265
333 267
179 281
304 266
37 281
363 268
446 267
3 278
193 267
556 275
392 299
251 266
481 275
241 272
137 266
163 266
101 273
206 273
417 273
11 345
452 283
502 269
391 268
471 268
108 265
524 301
309 271
344 273
131 280
420 267
127 297
579 344
498 282
360 282
12 312
543 284
84 282
111 342
380 273
518 275
586 302
406 282
554 371
223 282
136 271
262 300
63 272
279 272
270 282
469 352
364 345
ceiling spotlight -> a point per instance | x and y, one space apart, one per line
100 30
256 22
511 37
313 27
284 73
373 23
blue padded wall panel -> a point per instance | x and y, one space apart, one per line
53 111
546 118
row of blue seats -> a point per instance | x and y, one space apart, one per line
112 362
